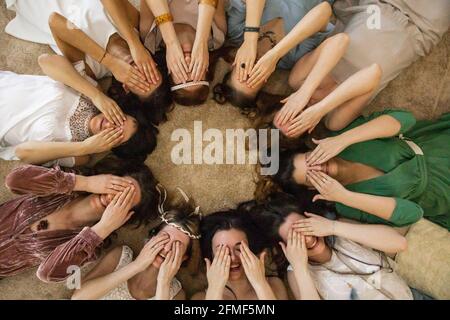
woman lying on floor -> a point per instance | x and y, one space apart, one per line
235 261
387 168
46 122
189 31
407 31
62 218
289 30
85 32
152 274
329 259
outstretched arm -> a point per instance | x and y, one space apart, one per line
375 236
175 57
200 52
362 83
314 21
328 55
127 22
68 34
246 55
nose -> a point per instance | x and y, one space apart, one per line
309 240
108 124
317 167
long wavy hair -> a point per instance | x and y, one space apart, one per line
270 214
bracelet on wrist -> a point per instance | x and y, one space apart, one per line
251 29
212 3
163 18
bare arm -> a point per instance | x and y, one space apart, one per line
314 21
60 69
360 83
40 152
302 285
118 11
379 237
382 207
102 279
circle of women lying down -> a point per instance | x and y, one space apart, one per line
285 221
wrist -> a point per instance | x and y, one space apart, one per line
251 37
101 230
81 183
345 197
109 61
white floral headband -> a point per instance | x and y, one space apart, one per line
189 84
163 212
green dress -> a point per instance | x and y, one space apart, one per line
419 183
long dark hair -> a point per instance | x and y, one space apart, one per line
142 142
155 107
146 211
227 220
270 214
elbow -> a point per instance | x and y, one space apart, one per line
23 152
342 40
54 20
325 10
402 245
44 60
375 73
333 124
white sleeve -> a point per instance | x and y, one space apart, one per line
8 153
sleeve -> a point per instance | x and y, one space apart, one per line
405 213
8 153
406 119
40 181
76 252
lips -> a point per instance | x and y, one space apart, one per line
236 268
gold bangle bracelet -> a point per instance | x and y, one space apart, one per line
165 17
212 3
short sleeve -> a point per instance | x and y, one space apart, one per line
405 213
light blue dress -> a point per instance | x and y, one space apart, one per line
292 11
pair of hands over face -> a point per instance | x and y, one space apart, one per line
218 270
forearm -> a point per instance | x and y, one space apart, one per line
264 291
253 14
360 83
213 293
305 284
60 69
35 152
162 290
314 21
379 206
379 237
118 13
159 7
332 51
96 288
204 23
384 126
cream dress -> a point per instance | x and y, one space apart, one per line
37 108
31 23
382 285
121 292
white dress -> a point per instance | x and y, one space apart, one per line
382 285
31 23
37 108
122 293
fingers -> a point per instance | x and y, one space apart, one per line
115 199
303 242
262 257
257 78
153 70
248 68
318 197
315 155
314 179
137 82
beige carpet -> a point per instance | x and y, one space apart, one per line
423 89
